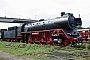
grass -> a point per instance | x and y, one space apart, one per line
40 51
1 59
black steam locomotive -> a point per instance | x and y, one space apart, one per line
57 31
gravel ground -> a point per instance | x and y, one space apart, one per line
80 56
59 54
8 56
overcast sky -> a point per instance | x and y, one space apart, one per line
44 9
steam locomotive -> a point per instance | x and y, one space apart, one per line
57 31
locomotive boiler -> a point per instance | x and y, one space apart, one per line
66 21
57 31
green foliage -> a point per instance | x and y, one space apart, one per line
88 28
89 45
79 27
27 49
81 46
2 59
40 51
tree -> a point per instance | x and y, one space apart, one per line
79 27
